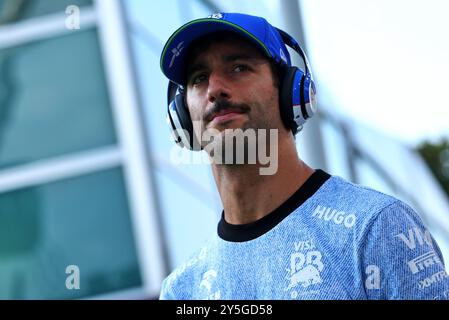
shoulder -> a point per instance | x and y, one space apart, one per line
346 203
374 213
180 282
356 212
355 195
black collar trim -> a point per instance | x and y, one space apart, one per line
253 230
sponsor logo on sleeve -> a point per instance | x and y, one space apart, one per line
335 216
435 278
414 237
424 261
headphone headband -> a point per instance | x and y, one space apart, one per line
292 43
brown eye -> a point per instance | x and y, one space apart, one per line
240 68
197 79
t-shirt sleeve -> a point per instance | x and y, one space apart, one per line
400 259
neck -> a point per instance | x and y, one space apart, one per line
248 196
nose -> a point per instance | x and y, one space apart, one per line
218 88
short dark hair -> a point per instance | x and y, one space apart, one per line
203 43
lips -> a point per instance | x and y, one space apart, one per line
225 115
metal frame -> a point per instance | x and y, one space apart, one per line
130 153
58 168
130 131
41 28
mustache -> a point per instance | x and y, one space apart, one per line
221 105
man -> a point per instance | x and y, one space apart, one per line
296 233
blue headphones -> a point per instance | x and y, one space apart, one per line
297 100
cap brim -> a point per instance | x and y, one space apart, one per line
174 53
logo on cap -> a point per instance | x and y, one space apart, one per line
216 16
176 52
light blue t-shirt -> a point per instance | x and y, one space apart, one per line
331 240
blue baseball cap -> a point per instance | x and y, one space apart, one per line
256 29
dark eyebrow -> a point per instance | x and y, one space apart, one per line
239 56
195 67
228 58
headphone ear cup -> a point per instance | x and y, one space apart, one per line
174 125
285 99
181 123
291 95
310 102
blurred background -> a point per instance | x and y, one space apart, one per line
86 176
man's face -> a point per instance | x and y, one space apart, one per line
230 86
